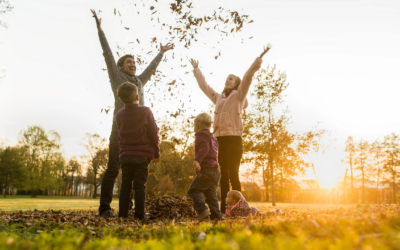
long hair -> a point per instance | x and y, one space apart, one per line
226 91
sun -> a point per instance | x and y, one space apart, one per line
328 176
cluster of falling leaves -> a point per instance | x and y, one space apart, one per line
186 30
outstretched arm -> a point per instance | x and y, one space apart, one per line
201 80
108 56
248 76
152 67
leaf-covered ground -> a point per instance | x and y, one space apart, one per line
361 227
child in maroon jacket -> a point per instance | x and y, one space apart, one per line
207 169
138 145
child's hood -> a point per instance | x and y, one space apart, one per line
241 204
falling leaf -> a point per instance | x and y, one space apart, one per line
151 7
138 41
250 37
154 39
250 21
172 83
127 28
216 57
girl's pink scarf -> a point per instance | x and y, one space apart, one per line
229 209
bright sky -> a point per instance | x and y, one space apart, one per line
341 57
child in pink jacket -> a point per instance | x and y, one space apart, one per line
238 206
228 126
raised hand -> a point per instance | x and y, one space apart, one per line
269 46
98 21
165 48
194 63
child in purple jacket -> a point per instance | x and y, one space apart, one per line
207 170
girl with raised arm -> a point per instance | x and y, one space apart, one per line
228 126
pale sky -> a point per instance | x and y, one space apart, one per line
341 57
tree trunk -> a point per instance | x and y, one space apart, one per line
344 187
272 182
394 188
33 193
72 185
363 186
95 192
266 182
351 180
281 199
377 187
176 187
6 187
94 184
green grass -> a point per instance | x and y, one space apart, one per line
25 202
362 227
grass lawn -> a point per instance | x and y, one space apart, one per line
25 202
344 228
300 226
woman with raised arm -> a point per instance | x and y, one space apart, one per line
228 126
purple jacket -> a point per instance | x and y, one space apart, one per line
137 132
206 149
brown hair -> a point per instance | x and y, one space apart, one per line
121 61
204 120
236 195
228 91
127 92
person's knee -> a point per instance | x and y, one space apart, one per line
234 177
111 172
139 187
191 193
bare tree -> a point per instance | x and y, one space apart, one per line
97 158
351 150
392 150
362 163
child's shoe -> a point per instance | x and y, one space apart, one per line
202 215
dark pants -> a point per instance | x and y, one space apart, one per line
230 150
107 185
206 181
134 170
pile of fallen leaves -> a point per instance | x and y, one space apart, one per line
170 207
165 208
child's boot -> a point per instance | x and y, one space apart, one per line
203 214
